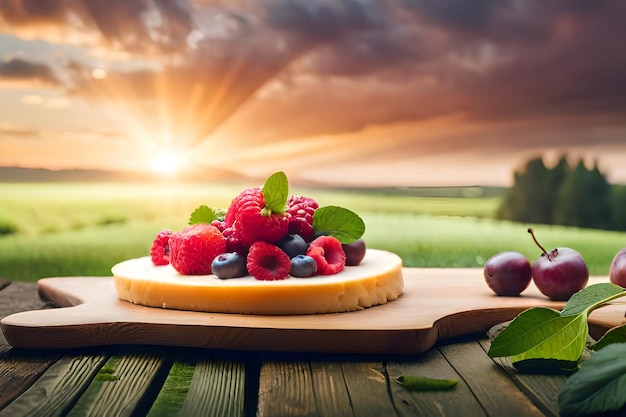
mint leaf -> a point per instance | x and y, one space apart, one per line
420 383
541 333
275 193
614 335
205 214
590 298
339 222
598 386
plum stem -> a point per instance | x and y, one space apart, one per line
530 230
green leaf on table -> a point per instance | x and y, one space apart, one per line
614 335
205 214
275 193
545 334
590 298
599 386
542 333
339 222
420 383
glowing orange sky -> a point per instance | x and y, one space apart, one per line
422 92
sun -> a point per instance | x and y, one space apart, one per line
167 163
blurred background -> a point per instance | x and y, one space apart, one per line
451 127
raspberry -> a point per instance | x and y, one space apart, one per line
267 262
301 210
253 222
193 249
160 250
235 205
328 254
233 244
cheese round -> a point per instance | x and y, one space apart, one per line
376 280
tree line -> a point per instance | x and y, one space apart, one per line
564 195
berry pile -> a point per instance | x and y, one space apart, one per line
266 234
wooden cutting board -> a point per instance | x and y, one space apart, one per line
436 304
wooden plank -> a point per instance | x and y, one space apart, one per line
286 389
368 388
459 400
217 389
202 383
57 389
321 388
176 386
332 392
19 370
541 389
490 384
127 383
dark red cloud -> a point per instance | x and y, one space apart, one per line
21 70
345 65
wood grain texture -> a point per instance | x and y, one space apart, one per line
541 389
57 390
368 386
172 394
20 369
457 401
217 389
437 304
496 392
127 385
319 388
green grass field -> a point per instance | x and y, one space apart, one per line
71 229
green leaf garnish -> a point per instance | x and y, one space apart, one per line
275 193
541 333
205 214
544 333
590 298
341 223
598 386
420 383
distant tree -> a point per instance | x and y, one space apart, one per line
563 195
557 175
618 207
532 197
583 199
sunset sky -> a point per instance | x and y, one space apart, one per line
406 92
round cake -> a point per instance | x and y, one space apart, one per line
375 281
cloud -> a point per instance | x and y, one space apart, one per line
275 70
20 71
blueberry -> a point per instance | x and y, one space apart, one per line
302 266
229 265
293 245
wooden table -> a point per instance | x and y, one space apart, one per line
158 380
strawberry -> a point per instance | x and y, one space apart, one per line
328 255
267 262
193 249
160 250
